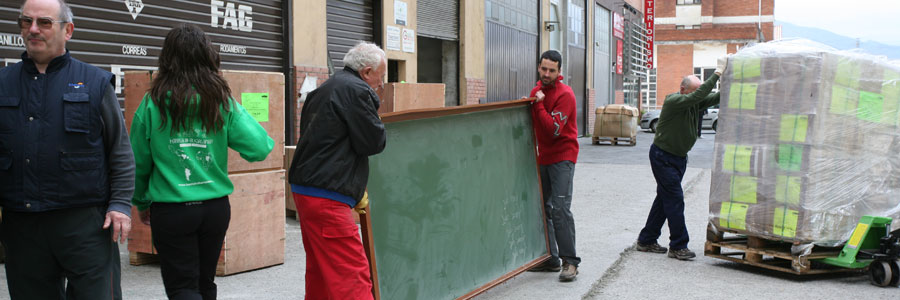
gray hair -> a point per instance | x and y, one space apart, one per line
65 12
363 55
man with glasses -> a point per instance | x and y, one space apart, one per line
66 166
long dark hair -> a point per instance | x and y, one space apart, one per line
189 67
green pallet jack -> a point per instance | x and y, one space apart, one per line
872 245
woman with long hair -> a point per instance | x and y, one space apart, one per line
180 136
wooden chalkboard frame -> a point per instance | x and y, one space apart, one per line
366 222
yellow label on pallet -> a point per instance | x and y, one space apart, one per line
743 189
743 96
733 215
858 235
737 158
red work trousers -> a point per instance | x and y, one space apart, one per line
336 264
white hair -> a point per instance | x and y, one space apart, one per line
65 12
364 55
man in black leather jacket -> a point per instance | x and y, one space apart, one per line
339 130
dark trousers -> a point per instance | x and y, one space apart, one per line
668 170
188 238
556 182
60 254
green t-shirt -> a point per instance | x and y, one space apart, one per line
676 131
190 165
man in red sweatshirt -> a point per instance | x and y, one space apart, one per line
553 114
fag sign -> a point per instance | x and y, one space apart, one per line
648 23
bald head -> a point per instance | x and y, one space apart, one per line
689 84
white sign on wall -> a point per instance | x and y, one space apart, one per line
409 40
14 40
240 18
134 7
393 38
400 12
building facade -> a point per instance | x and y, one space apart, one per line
480 50
691 34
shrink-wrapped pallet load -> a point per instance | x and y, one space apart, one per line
808 143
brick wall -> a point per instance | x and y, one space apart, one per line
591 110
665 9
674 62
476 89
729 8
300 74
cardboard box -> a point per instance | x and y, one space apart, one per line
616 120
242 84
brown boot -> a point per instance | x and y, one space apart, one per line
568 272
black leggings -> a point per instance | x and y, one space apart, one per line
188 238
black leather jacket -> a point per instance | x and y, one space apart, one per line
339 130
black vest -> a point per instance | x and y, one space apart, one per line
52 154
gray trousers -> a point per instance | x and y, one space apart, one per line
556 182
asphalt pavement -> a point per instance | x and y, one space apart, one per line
614 188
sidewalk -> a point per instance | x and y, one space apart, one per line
610 206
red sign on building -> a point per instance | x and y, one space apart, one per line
648 23
618 26
620 64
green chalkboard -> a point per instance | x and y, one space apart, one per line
455 202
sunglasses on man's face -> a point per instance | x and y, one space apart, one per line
43 22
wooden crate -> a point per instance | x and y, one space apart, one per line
769 254
406 96
255 237
288 197
137 83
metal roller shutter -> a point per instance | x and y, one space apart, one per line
438 19
348 21
128 35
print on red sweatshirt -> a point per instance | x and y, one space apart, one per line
555 123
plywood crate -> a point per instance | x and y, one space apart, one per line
288 197
406 96
242 83
256 233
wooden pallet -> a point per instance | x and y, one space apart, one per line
614 141
138 258
769 254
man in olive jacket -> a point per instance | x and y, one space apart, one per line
676 134
339 130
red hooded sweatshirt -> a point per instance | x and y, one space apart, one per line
555 123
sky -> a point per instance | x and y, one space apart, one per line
873 20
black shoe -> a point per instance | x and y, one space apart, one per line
652 248
568 272
682 254
546 266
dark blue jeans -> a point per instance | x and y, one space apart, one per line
668 170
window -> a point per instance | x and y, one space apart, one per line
679 27
704 73
687 2
649 90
